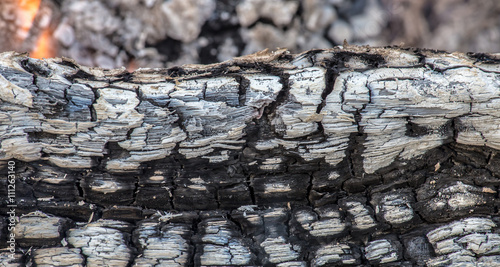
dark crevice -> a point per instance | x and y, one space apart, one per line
171 198
216 198
455 127
251 189
93 112
244 83
35 83
195 232
282 95
129 134
309 189
136 190
331 77
79 188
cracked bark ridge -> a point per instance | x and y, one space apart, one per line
346 156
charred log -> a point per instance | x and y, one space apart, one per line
346 156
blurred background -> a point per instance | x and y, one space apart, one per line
164 33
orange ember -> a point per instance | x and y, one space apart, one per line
26 12
44 47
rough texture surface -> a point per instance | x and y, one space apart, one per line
346 156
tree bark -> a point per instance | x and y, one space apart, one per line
346 156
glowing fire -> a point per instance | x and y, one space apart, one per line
44 47
26 13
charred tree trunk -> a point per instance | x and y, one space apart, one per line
347 156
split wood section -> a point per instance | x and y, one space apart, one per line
351 155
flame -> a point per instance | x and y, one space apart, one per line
45 48
26 12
